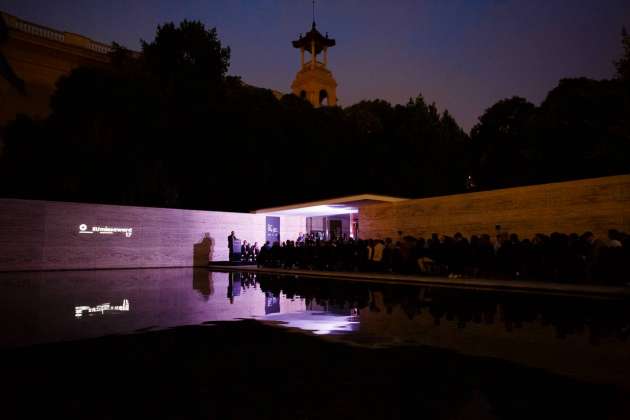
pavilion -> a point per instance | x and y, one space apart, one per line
335 217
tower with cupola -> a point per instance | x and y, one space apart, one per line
314 81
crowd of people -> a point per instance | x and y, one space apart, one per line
249 252
556 257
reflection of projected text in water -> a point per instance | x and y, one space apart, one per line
101 309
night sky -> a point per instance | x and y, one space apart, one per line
464 55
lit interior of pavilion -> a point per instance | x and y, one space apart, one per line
332 218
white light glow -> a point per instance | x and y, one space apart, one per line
321 210
101 309
316 322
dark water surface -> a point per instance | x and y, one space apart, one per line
443 352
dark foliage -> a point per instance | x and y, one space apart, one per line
168 127
580 130
623 64
501 143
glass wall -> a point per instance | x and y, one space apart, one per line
332 226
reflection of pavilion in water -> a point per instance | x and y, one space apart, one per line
317 322
559 333
320 318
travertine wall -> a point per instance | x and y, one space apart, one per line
596 204
45 235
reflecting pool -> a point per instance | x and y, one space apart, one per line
577 338
586 338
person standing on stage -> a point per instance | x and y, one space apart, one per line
244 250
230 244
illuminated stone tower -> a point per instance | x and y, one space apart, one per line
314 81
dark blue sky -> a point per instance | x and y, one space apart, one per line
462 54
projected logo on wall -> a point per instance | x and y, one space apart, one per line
105 230
101 309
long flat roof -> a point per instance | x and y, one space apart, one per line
339 205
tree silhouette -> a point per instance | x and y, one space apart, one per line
502 144
169 127
623 64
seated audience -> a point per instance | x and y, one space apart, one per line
556 257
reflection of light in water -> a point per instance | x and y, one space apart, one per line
320 323
101 309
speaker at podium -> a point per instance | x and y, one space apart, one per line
235 254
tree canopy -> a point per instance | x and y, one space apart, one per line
168 127
580 130
623 64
